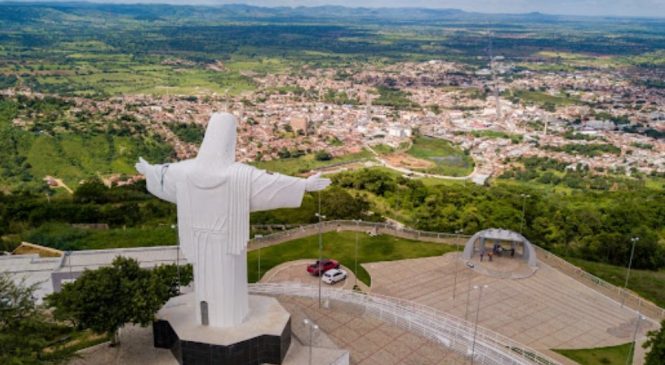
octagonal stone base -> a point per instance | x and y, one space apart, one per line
263 338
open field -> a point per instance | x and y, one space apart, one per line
448 159
409 162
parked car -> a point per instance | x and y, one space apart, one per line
326 265
333 276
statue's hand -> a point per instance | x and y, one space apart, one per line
316 183
142 166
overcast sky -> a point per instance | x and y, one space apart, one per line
650 8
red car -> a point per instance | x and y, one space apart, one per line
325 265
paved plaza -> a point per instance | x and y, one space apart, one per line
545 310
369 340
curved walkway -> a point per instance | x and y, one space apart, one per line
456 334
369 340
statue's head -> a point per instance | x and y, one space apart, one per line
219 143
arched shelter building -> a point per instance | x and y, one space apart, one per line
487 240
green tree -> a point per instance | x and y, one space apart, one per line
107 298
337 203
323 156
24 331
655 344
91 191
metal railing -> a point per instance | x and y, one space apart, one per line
612 291
485 346
343 359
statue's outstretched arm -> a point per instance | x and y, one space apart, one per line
158 180
142 166
273 191
316 183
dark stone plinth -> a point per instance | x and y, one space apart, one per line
253 342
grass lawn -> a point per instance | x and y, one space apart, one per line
614 355
62 236
449 160
299 165
648 284
130 237
341 247
76 340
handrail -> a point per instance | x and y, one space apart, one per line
452 332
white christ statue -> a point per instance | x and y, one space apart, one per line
214 196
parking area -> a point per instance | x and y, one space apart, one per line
296 272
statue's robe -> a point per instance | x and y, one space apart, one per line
213 225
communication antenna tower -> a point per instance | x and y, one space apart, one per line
493 71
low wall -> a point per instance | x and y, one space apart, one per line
366 227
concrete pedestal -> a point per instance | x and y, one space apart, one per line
263 338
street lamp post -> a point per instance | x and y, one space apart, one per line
321 218
177 258
355 264
468 296
259 268
312 327
525 197
630 264
456 263
631 353
475 328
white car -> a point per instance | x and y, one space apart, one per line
333 276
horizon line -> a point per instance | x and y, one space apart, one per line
212 4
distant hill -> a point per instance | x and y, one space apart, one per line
301 14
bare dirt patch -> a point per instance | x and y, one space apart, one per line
409 162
